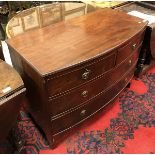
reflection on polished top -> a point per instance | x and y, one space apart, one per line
10 79
103 4
55 47
47 14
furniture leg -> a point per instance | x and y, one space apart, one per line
145 53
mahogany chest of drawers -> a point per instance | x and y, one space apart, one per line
73 69
12 92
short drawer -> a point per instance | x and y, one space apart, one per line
75 117
88 91
79 75
131 46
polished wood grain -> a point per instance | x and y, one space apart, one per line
8 78
66 43
85 112
148 47
9 110
11 99
75 68
80 74
64 122
82 94
130 47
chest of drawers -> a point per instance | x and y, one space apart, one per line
75 68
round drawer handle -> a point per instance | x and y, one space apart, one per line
130 62
83 112
84 93
86 74
134 46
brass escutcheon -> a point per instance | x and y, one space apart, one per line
86 74
84 93
83 112
134 46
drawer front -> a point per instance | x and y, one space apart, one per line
75 117
130 47
79 76
89 90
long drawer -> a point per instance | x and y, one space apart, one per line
129 47
68 120
79 75
86 92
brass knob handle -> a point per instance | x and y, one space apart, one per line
85 93
130 62
83 112
86 74
134 46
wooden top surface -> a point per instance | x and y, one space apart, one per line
9 79
69 42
